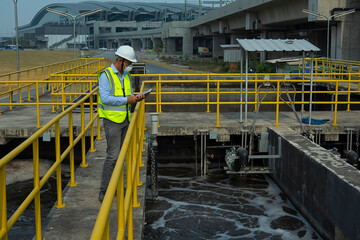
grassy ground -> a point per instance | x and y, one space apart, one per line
32 58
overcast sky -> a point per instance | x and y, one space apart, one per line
28 8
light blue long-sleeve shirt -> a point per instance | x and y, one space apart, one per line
104 89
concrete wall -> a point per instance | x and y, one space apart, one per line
321 185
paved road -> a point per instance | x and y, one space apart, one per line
150 68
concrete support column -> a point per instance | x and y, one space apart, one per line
263 54
136 44
153 43
217 50
163 41
345 37
187 43
157 42
96 35
170 45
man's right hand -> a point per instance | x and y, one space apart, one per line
132 99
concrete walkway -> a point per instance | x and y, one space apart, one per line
185 123
76 220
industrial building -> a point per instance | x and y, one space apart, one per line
179 28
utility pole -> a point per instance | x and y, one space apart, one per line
17 36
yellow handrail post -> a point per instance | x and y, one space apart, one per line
72 158
19 87
37 105
336 103
218 104
256 83
83 153
57 91
160 111
59 203
106 235
349 93
43 80
120 203
359 78
142 131
277 103
3 209
28 79
98 128
52 87
157 97
208 93
10 94
129 184
37 186
92 149
135 168
63 94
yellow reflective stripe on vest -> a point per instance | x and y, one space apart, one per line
111 108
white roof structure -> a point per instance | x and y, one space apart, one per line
236 46
277 45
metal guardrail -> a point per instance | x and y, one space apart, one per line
55 83
25 79
212 86
326 66
6 224
131 150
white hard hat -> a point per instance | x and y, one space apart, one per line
126 52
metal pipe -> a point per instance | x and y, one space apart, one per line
74 18
205 162
303 84
241 85
246 86
311 87
201 154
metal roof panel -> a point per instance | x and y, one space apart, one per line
277 45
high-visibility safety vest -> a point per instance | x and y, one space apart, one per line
116 113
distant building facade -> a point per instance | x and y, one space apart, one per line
181 29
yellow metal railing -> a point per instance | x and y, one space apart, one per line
17 82
59 85
6 224
213 90
131 152
211 87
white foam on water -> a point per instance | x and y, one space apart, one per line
247 209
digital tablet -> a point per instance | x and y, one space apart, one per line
146 92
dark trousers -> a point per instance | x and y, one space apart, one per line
115 135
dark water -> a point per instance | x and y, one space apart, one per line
221 206
24 227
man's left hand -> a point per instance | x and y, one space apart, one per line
140 97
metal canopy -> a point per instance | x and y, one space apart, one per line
277 45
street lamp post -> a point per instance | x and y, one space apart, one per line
65 14
17 35
328 23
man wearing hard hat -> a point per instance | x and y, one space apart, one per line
116 97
